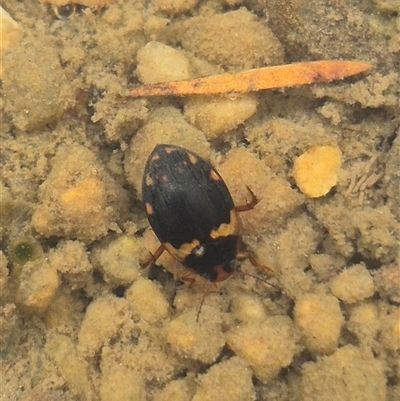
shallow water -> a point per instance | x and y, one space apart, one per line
82 321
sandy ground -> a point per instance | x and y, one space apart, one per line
81 320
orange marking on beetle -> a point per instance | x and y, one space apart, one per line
149 209
214 175
169 150
149 180
226 229
155 157
192 158
183 251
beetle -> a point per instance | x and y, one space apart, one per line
192 213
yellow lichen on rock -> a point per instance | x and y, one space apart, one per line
316 171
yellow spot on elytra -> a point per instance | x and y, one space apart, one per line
149 180
155 157
192 158
184 250
214 175
225 229
149 209
169 150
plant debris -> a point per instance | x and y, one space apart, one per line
280 76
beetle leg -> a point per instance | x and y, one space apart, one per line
206 292
253 260
153 259
187 277
249 204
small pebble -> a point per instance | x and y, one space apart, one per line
217 115
118 260
102 320
364 323
236 39
176 390
349 374
79 199
70 258
277 199
316 171
325 266
353 284
38 284
164 125
320 320
390 331
8 324
147 301
247 308
161 63
35 93
119 383
3 276
72 367
387 282
191 339
229 380
267 346
174 7
11 34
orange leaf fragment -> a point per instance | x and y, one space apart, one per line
280 76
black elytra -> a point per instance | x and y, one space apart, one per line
191 211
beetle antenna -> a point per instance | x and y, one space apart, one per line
205 293
257 278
